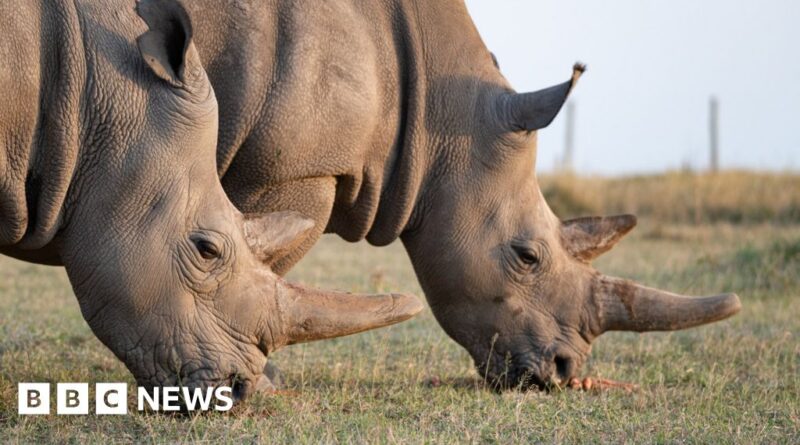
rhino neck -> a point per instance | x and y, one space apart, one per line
400 177
462 80
447 73
41 153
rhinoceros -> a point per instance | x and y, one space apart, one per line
386 120
107 154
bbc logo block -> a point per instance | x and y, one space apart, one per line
112 398
33 398
72 399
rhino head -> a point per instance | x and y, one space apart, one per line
168 274
509 281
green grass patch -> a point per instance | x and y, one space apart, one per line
737 381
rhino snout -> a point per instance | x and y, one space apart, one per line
532 371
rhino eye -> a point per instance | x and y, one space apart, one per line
206 248
526 255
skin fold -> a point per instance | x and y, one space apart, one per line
391 119
107 160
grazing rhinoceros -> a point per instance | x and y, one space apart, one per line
389 119
107 155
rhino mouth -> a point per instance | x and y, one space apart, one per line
522 378
203 378
528 372
241 387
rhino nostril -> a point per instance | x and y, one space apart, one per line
238 388
563 367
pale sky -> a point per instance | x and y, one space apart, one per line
653 64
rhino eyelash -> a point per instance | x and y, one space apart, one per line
207 249
527 256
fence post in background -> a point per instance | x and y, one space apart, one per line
713 128
569 138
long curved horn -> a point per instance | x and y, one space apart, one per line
626 306
311 314
535 110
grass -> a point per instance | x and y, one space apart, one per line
737 381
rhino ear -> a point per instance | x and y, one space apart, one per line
272 236
588 238
167 46
536 110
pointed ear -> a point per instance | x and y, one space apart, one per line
587 238
272 236
167 46
536 110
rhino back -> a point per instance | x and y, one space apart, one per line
283 68
315 103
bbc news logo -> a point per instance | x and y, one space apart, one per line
112 399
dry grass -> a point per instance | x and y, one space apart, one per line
736 381
682 197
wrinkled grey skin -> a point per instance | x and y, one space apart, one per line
390 119
107 163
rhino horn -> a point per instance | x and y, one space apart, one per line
588 238
626 306
536 110
310 314
273 235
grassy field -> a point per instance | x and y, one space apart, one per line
682 197
736 381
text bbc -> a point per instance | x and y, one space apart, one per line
112 398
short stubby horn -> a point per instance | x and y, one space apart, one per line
312 314
536 110
627 306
